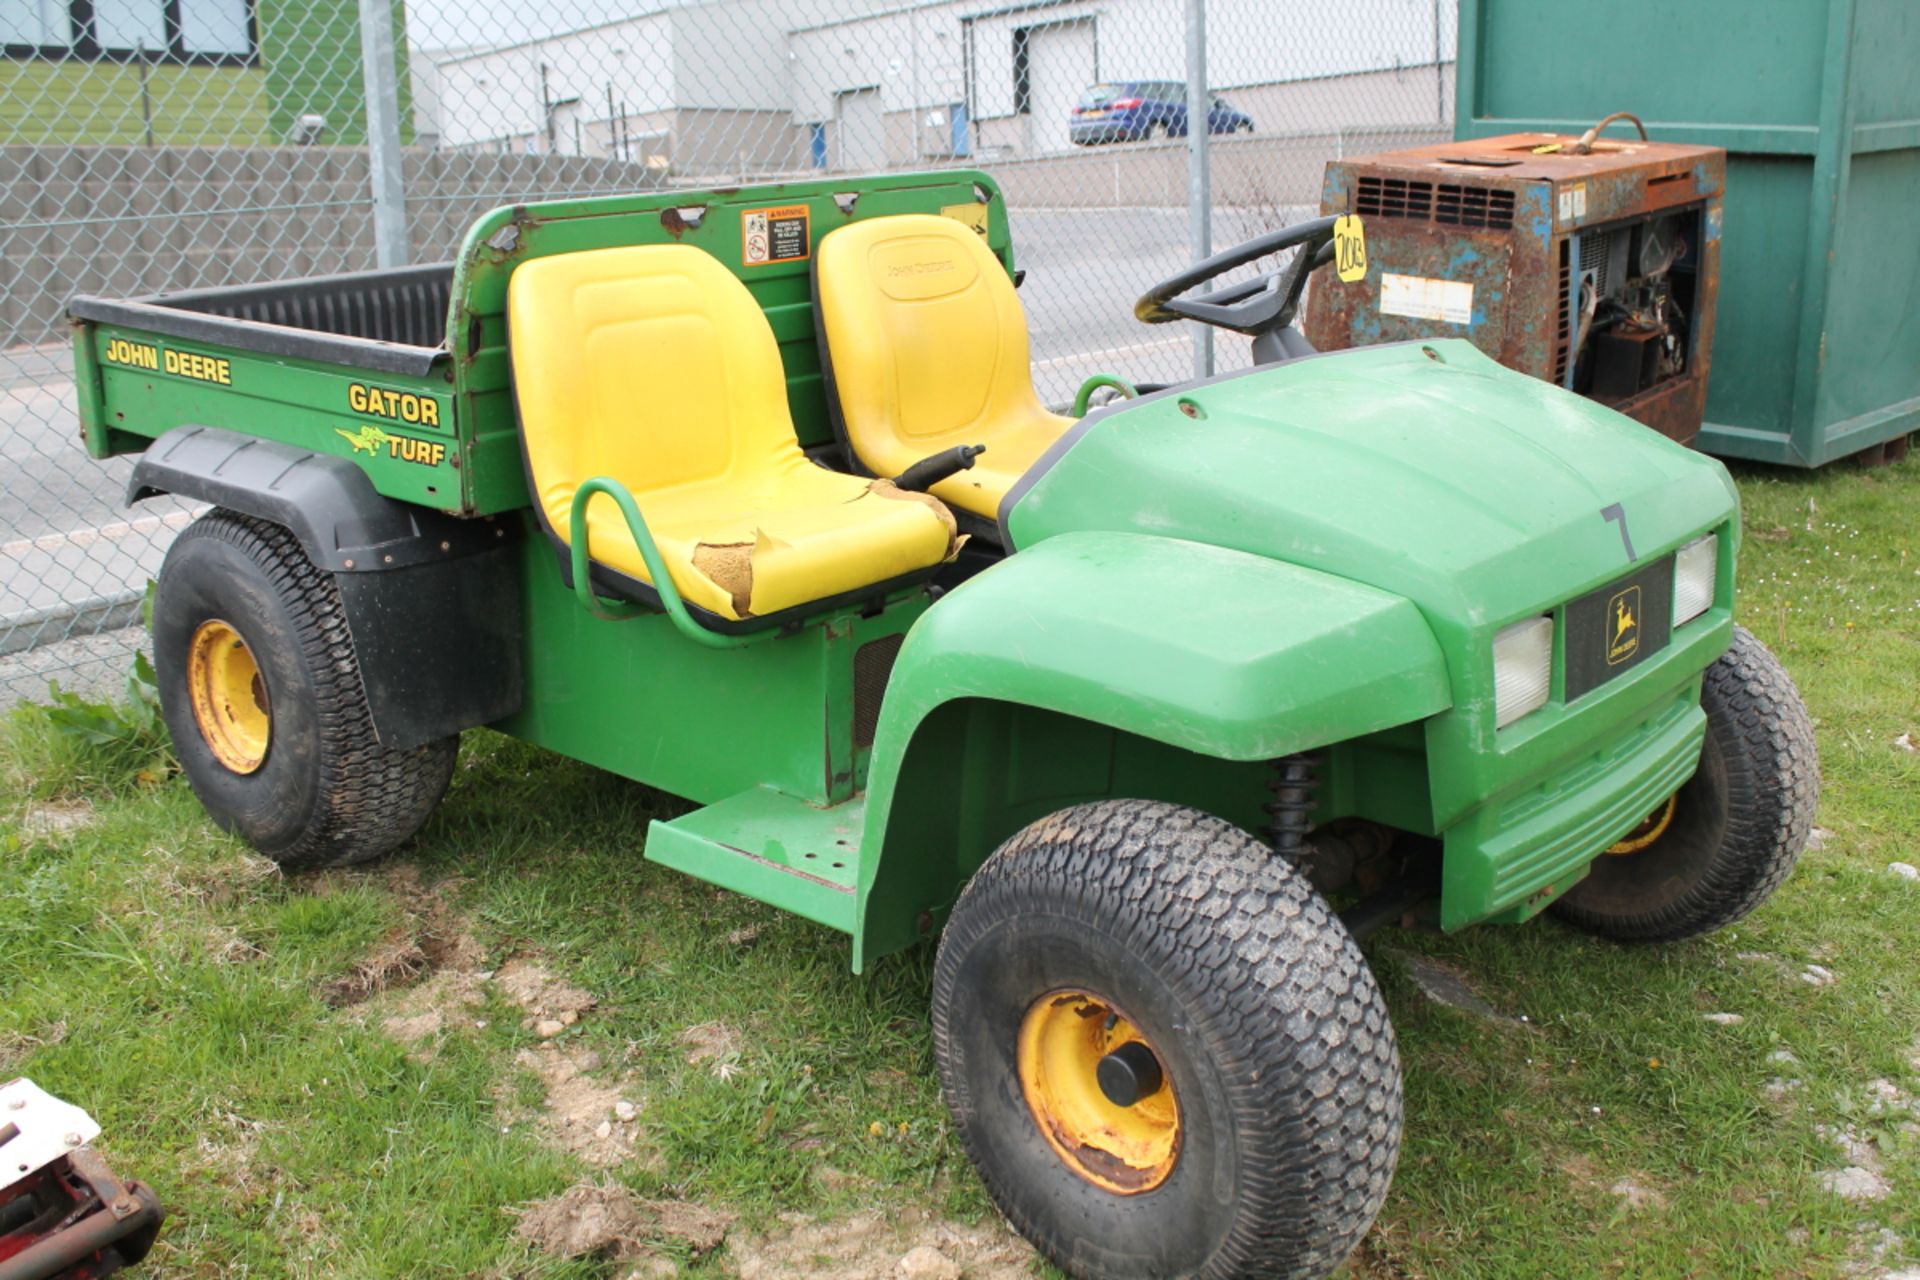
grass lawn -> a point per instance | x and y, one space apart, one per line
374 1073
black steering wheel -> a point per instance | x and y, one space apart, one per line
1262 308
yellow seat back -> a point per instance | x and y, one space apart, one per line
651 364
927 343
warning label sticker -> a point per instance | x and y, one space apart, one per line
773 235
1573 202
974 214
1424 298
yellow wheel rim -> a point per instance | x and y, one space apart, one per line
1125 1149
229 696
1647 832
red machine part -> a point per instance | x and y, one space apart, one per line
74 1220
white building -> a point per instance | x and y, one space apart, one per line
887 86
757 86
697 86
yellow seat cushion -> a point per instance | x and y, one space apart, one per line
654 366
928 345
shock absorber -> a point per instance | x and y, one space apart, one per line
1295 780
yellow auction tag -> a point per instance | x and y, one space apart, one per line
1349 248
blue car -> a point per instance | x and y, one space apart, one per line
1131 110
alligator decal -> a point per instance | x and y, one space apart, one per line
369 438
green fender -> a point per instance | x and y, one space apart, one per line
1212 652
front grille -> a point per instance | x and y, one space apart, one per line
1393 198
1473 206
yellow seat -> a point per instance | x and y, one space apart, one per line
654 366
928 349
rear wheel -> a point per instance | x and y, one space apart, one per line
262 696
1162 1051
1721 845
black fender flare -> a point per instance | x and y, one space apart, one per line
433 601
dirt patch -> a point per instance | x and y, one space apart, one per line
398 961
227 1150
425 983
583 1115
15 1045
431 937
224 883
1885 1098
880 1246
1635 1196
1449 985
588 1221
455 997
1862 1178
228 945
55 818
543 998
717 1044
1632 1192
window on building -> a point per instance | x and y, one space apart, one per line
211 32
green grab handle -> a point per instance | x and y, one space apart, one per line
663 583
1093 384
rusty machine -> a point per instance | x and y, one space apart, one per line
1592 263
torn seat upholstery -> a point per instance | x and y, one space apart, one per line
654 366
926 347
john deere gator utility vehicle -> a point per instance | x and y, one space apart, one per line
1147 710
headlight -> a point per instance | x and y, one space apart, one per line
1695 570
1522 669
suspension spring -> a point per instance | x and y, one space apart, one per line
1294 783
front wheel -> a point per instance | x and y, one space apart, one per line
1162 1051
1722 844
261 691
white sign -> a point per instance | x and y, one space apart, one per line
1424 298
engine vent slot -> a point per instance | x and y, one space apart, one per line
1473 206
872 665
1563 337
1393 198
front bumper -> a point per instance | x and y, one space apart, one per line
1510 858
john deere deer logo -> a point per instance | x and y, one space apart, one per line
1623 626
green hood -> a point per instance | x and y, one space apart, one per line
1427 470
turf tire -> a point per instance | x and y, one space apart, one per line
1740 821
1269 1023
328 793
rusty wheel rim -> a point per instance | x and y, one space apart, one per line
1126 1149
1647 832
229 697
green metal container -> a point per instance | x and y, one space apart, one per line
1817 355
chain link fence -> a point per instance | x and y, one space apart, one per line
150 145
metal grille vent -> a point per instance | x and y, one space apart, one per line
872 665
1604 252
1473 206
1563 340
1393 198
